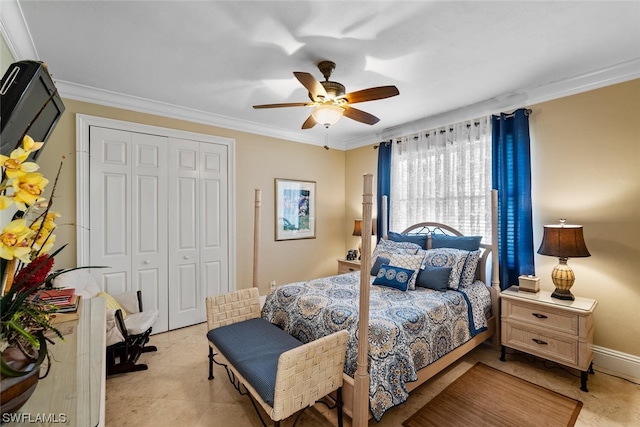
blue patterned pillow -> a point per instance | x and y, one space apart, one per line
409 262
394 277
446 257
396 247
468 275
436 278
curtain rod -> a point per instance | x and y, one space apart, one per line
527 112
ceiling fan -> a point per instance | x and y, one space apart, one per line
330 101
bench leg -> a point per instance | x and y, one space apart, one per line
210 363
339 405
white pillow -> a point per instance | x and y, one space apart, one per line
81 280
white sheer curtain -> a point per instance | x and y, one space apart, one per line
444 175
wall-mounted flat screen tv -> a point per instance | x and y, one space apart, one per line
30 105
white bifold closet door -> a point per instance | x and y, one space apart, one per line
198 235
128 215
158 218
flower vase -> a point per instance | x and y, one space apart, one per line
20 377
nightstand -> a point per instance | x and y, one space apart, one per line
346 266
556 330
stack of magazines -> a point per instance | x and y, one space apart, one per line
65 299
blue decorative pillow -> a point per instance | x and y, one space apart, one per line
418 239
394 277
376 265
409 262
467 243
446 257
436 278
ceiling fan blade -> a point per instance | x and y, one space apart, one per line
360 116
309 123
371 94
313 86
288 104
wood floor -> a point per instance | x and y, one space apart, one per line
175 390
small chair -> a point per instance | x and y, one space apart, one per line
128 339
128 326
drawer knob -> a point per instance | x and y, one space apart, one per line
537 341
539 316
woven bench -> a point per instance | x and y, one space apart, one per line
279 372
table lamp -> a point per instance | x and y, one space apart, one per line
563 241
357 231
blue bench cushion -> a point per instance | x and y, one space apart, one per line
253 348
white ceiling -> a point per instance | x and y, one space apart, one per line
210 61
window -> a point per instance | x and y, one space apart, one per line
444 175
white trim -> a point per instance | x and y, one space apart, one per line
119 100
618 73
15 32
616 363
83 123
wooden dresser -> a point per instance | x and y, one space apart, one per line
556 330
73 394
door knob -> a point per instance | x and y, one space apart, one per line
146 261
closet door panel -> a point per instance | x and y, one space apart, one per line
110 209
213 254
185 294
149 223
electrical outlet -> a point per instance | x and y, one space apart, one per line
272 285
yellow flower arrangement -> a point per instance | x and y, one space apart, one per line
24 245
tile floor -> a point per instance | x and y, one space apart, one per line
175 390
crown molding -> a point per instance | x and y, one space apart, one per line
618 73
93 95
15 31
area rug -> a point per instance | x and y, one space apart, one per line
484 396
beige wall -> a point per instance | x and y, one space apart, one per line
586 168
258 161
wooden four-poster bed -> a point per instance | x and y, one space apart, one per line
398 358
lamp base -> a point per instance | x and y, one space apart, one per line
563 278
564 294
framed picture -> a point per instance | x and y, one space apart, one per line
295 209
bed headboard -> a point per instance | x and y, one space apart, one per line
486 272
430 228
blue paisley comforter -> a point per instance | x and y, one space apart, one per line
407 330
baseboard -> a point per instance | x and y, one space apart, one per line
616 363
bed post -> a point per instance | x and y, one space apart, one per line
256 236
361 377
495 267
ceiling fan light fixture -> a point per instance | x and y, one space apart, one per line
327 114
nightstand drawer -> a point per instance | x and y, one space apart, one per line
561 350
541 316
348 266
